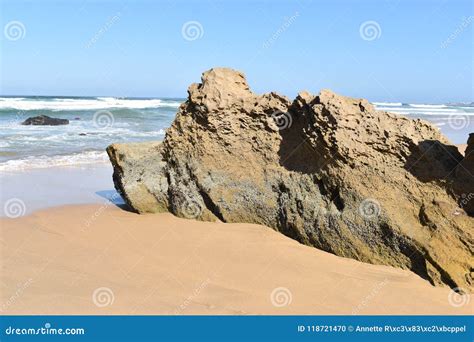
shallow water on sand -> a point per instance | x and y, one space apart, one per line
22 192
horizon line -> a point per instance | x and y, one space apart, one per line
183 98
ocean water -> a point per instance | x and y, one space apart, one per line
96 122
455 121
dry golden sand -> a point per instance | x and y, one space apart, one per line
54 260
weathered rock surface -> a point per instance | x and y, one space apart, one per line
327 170
464 179
44 120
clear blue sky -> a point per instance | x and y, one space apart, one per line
136 48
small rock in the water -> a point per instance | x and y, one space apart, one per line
44 120
82 134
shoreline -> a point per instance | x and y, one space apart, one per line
58 261
36 189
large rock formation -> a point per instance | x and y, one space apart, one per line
327 170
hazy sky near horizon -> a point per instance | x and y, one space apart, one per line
414 51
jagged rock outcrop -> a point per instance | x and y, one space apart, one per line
44 120
464 178
327 170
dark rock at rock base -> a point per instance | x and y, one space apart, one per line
44 120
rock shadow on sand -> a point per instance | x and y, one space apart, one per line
114 198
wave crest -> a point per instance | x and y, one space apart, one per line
40 162
21 103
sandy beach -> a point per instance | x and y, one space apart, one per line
100 259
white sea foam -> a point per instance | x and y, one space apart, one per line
387 103
19 103
427 106
437 114
88 157
402 110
